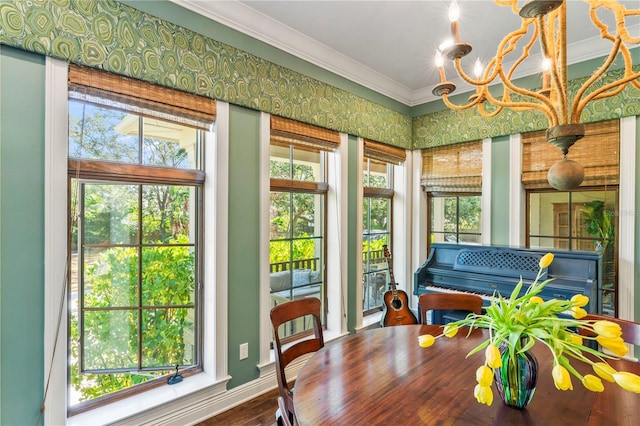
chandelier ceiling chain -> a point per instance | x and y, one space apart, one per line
543 21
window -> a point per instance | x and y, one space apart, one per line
578 220
298 199
452 179
377 219
454 218
136 206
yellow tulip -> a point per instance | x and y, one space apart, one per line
615 345
607 329
580 300
546 260
426 340
492 354
484 375
483 394
450 330
575 338
536 299
628 381
592 383
605 371
578 313
561 378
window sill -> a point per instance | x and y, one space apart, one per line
147 406
371 320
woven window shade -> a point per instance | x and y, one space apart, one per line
598 152
381 152
453 168
146 99
285 132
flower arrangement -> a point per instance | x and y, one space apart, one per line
520 321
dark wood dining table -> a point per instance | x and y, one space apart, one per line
383 377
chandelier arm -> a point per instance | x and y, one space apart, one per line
450 105
577 105
458 65
507 45
525 50
549 112
620 12
545 105
486 114
600 92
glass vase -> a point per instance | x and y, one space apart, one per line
516 379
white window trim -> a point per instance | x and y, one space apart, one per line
627 220
485 200
517 199
197 396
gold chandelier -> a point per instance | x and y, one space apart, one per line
544 21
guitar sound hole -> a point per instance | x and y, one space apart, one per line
396 303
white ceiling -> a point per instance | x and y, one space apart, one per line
389 46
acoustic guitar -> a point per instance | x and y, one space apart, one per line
396 302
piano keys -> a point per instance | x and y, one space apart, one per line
489 270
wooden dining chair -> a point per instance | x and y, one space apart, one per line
286 354
449 302
630 329
285 419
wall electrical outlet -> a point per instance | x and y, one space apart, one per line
244 351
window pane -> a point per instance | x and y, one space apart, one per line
169 144
110 277
166 213
110 340
163 286
469 214
376 174
294 163
305 220
168 337
110 213
102 134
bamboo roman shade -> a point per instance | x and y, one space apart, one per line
453 168
381 152
598 152
136 96
285 132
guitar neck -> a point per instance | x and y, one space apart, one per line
392 280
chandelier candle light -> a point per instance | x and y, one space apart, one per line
517 323
543 20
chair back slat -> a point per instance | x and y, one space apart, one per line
448 301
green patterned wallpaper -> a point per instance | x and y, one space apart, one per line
109 35
112 36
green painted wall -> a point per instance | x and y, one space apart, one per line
22 236
244 242
500 191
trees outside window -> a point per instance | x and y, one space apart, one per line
455 218
135 211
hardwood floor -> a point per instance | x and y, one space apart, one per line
260 411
